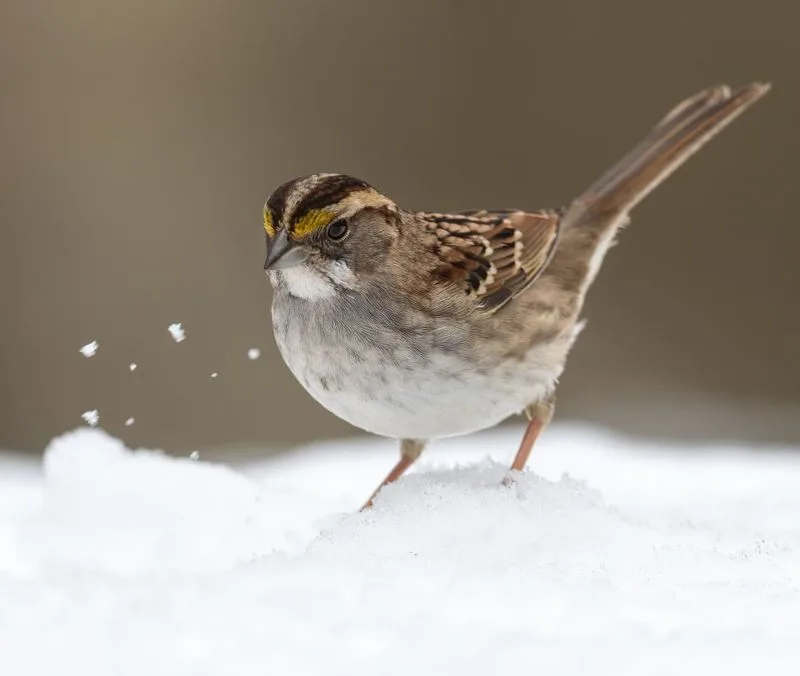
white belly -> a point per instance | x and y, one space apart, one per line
418 405
409 397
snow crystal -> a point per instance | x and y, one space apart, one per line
610 557
91 417
132 366
177 332
129 422
253 353
194 455
90 349
214 374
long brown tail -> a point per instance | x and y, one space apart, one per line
670 143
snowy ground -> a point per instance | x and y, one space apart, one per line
644 560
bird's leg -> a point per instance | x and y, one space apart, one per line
539 415
410 450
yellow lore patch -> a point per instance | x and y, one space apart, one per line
314 220
269 228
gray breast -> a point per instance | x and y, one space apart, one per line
394 373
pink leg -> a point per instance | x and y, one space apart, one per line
410 450
539 415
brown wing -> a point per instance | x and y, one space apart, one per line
494 255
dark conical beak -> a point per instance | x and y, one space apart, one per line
283 253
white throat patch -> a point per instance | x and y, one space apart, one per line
304 282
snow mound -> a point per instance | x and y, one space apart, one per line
640 560
107 508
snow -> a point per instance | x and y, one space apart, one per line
643 559
253 353
132 366
90 349
177 332
130 422
91 417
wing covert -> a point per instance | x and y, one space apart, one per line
494 255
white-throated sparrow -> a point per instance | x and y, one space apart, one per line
417 325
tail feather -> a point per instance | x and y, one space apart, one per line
680 134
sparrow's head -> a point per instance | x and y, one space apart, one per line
325 231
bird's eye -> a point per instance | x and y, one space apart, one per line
337 229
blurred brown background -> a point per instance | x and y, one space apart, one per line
140 139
